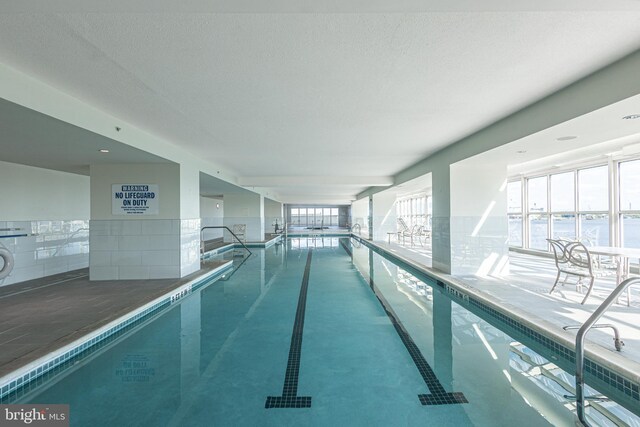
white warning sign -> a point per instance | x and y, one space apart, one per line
134 199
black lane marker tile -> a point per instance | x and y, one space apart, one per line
290 398
437 394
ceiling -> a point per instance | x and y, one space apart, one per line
288 102
31 138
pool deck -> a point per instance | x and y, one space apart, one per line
42 315
525 293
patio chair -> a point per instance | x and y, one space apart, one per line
423 234
574 259
240 230
406 231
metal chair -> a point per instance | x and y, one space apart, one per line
240 230
574 259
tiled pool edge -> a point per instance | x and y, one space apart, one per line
620 375
13 381
230 246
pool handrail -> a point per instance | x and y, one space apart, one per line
228 229
580 344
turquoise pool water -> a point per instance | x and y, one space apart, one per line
324 325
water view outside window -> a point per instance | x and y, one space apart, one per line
630 203
537 203
631 230
514 209
563 205
594 229
563 226
575 204
538 230
593 205
537 194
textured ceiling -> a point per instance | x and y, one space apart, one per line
311 95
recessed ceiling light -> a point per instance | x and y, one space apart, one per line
631 117
103 150
566 138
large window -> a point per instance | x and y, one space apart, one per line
563 205
577 204
593 205
538 217
629 173
415 210
514 209
315 216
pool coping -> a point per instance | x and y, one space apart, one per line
16 379
234 245
600 363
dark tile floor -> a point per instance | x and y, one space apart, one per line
42 315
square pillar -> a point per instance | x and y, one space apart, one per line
145 221
245 208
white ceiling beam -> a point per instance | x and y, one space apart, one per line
314 181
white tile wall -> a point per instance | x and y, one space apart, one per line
189 246
144 249
120 249
51 247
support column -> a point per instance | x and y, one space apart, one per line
145 221
245 208
440 222
272 212
360 215
479 226
384 215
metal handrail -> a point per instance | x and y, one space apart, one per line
359 228
580 344
228 229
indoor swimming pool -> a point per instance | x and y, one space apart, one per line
315 331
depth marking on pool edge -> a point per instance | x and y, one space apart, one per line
437 394
290 398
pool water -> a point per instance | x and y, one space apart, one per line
336 334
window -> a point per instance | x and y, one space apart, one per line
593 188
514 209
538 220
563 192
629 173
537 201
538 230
334 217
593 205
415 210
577 204
295 216
326 217
563 205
